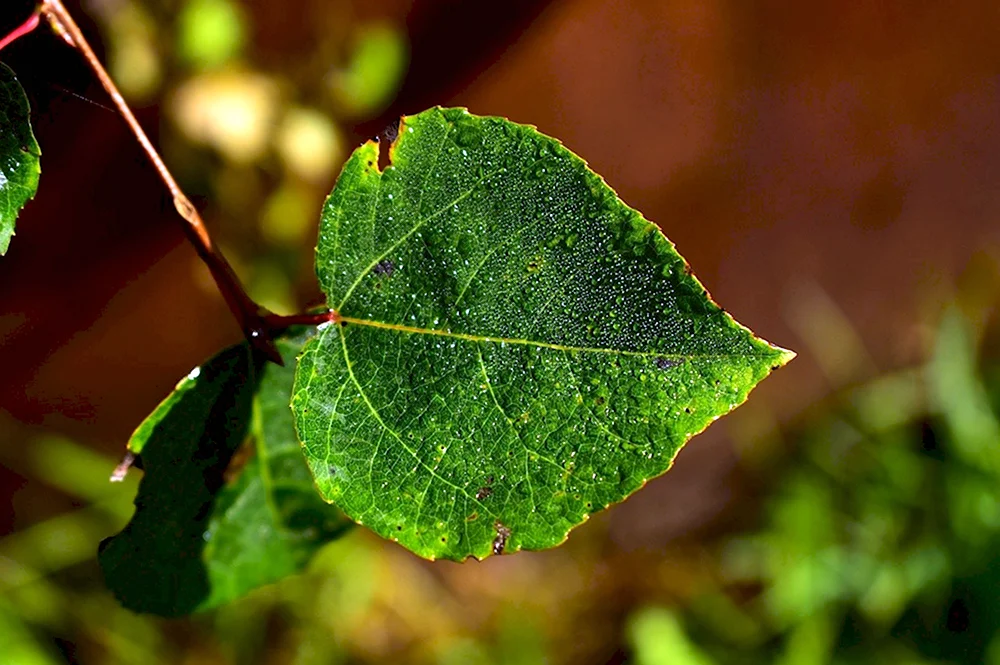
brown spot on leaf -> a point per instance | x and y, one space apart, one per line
500 542
385 143
667 363
384 268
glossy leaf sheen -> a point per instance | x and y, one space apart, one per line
518 348
198 538
19 155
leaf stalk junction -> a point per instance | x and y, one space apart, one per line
259 325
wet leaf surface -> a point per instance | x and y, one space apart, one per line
517 347
19 155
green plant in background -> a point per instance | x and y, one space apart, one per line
880 542
210 33
507 349
875 542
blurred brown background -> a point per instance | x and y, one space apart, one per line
830 170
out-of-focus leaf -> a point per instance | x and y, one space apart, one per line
270 287
19 155
198 537
657 638
79 471
517 348
958 393
374 71
809 643
288 215
233 111
210 32
20 647
133 58
309 144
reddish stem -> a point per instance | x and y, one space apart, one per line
277 323
22 30
249 314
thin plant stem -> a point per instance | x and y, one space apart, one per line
251 316
278 323
21 30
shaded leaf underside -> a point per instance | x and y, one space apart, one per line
517 348
19 155
201 537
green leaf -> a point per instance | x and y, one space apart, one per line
199 539
19 153
516 347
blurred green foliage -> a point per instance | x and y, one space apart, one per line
210 32
657 638
880 541
875 540
373 73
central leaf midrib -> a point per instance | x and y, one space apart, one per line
466 337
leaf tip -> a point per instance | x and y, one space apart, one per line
784 356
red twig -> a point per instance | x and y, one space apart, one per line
251 316
278 323
22 30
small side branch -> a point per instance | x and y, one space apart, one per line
278 323
251 316
21 30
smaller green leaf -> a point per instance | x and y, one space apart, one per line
199 539
19 153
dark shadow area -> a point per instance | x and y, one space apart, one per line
156 563
451 43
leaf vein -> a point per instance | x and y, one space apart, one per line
416 227
389 430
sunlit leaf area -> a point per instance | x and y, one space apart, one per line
830 173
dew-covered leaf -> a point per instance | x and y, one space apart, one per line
19 154
215 519
516 348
